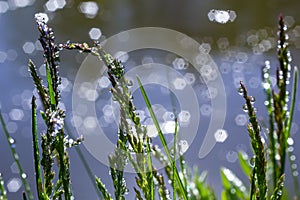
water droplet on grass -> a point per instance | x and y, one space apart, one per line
241 91
245 108
252 100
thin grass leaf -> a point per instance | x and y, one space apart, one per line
42 90
103 190
174 158
2 189
11 143
162 138
278 192
50 87
244 163
36 154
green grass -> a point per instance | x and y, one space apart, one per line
185 182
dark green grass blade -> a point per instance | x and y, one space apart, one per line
36 154
2 189
50 87
10 141
162 138
174 158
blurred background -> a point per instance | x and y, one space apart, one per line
238 36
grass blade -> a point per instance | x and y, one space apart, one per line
2 189
50 87
36 154
162 138
244 163
11 142
174 158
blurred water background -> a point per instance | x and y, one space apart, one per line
239 48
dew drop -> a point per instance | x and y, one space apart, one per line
266 103
11 141
240 91
290 141
252 100
23 175
245 108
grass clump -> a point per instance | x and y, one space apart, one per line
135 147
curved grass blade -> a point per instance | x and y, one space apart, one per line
11 141
162 138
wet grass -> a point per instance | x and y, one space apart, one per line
183 182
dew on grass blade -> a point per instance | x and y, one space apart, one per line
245 108
240 91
